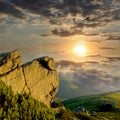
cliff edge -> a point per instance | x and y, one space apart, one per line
38 77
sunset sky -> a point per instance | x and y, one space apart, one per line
55 28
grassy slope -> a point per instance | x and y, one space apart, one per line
92 102
24 107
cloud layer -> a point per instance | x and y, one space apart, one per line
69 16
10 9
80 79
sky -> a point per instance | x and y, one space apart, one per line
55 28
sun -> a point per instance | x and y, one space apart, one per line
81 50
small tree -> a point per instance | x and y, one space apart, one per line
107 105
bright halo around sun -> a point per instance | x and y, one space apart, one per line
80 50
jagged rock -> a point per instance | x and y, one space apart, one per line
9 61
82 109
38 77
15 79
47 62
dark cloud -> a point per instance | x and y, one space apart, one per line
9 9
116 14
54 21
57 52
44 35
97 55
62 32
2 22
107 48
91 62
113 59
37 6
86 8
67 63
72 64
92 13
110 37
65 32
92 34
95 41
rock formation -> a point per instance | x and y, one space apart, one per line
38 77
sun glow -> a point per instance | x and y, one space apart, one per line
81 50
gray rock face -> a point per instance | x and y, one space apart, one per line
38 77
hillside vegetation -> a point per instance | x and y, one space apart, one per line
21 106
106 106
24 107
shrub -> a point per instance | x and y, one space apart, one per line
107 105
22 106
65 115
56 104
83 116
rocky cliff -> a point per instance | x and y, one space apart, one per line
38 77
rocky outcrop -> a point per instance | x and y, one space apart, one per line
38 77
9 61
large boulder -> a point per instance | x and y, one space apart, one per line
38 77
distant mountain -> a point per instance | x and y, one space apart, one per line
69 89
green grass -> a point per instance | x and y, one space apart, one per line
92 102
113 115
